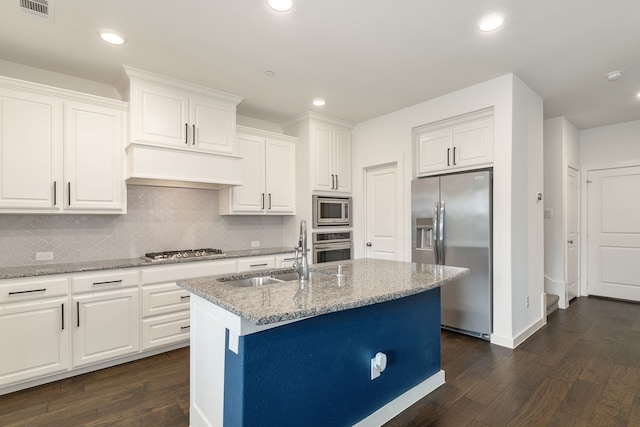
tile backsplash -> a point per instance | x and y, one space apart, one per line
158 219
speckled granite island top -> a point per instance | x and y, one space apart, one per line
364 282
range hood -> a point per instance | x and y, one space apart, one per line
169 167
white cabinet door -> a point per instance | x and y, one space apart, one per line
107 325
433 151
212 125
159 115
93 157
322 158
280 179
462 143
342 160
250 196
473 143
35 337
30 151
159 331
331 158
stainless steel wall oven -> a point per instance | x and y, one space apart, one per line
332 246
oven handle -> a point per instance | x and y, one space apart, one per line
331 246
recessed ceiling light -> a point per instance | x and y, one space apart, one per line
491 22
111 36
318 102
614 75
280 5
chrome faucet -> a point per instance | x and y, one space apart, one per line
301 265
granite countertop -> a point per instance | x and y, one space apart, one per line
111 264
364 282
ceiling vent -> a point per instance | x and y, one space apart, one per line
43 9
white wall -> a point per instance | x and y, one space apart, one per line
388 137
45 77
610 144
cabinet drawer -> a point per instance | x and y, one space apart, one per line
285 260
164 330
105 281
28 289
256 263
163 298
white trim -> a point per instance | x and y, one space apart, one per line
557 287
514 342
402 402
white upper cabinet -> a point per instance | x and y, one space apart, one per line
177 114
31 150
93 152
330 157
61 151
268 175
457 144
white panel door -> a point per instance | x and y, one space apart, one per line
94 149
573 233
614 233
30 151
381 212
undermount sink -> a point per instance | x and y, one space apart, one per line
262 280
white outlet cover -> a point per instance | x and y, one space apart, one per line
44 256
255 243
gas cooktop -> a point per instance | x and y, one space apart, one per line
182 254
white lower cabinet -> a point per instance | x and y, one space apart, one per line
106 321
285 260
34 329
165 305
256 263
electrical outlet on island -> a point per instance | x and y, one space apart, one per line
44 256
255 243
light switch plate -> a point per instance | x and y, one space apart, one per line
548 213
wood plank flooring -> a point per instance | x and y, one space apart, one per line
581 369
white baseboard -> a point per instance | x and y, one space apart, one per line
403 401
513 342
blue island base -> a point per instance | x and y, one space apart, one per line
317 371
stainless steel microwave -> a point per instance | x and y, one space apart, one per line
331 211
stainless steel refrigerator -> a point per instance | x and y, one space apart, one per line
451 225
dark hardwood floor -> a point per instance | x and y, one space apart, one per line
581 369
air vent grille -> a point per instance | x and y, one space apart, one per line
41 8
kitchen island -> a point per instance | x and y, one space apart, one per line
301 354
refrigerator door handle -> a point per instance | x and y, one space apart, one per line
441 234
435 232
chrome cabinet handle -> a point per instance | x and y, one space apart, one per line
454 156
186 133
258 265
78 312
185 327
55 193
337 182
185 297
62 314
262 205
269 201
109 282
69 192
193 135
333 182
448 153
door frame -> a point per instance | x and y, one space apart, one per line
565 229
584 214
401 190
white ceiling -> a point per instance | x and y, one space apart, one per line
366 57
